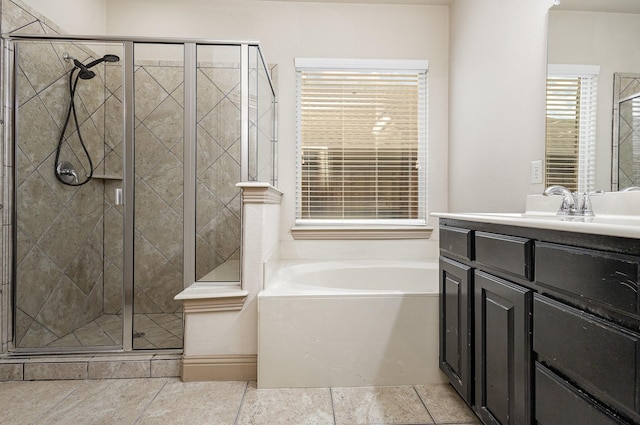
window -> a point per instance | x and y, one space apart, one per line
361 142
571 126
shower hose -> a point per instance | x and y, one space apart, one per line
73 83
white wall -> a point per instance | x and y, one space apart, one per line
86 17
605 39
304 29
496 103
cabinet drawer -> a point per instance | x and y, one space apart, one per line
608 279
557 402
457 241
507 253
598 356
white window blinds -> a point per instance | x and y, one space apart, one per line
361 143
571 126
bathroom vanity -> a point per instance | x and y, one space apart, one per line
540 317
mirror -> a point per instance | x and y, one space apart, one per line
604 33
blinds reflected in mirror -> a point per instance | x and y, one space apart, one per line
571 127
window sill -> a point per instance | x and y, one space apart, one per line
360 232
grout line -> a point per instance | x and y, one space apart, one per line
244 393
151 401
52 408
424 404
333 410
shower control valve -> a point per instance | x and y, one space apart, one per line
66 172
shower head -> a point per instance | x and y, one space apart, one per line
105 58
84 73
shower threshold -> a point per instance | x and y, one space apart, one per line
129 365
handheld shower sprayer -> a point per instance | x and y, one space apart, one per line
85 72
105 58
64 171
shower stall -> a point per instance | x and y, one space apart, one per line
123 159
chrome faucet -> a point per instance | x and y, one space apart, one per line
572 203
568 200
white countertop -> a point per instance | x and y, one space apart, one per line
610 225
616 214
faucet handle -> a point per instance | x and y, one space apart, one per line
585 205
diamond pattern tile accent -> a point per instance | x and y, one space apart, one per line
37 206
162 122
223 123
40 64
37 138
149 94
38 276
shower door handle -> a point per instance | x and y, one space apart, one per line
119 198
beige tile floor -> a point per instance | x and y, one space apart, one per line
169 401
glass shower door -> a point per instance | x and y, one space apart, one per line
158 247
67 176
218 164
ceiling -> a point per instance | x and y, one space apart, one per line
613 6
418 2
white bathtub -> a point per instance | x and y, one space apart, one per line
349 323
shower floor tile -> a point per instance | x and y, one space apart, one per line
170 401
151 331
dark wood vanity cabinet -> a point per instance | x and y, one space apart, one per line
539 326
485 344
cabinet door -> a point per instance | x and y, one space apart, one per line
502 351
456 326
